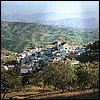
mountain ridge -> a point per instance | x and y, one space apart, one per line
88 20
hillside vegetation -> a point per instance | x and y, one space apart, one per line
92 54
16 35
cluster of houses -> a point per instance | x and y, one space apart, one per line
29 59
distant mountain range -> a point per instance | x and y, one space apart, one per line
90 23
75 20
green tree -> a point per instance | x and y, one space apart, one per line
9 81
88 75
59 75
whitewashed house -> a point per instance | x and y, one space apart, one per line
59 47
45 59
63 52
67 48
74 62
47 52
59 42
6 67
19 59
29 54
58 58
11 66
23 54
25 70
37 49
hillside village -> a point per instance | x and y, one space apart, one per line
30 59
49 50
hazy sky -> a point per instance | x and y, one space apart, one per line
62 7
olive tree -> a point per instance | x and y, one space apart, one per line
88 75
59 75
9 81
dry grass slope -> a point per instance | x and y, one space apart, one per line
39 93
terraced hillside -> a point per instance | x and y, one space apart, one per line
16 35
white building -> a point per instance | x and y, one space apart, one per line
63 52
59 47
25 70
66 46
5 67
37 49
23 54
